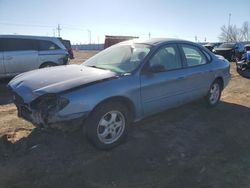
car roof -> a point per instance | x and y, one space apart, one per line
155 41
28 37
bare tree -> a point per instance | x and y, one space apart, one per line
232 33
245 35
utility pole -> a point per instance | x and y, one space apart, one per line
229 19
98 42
228 27
89 31
58 30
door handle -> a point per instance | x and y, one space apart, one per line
9 58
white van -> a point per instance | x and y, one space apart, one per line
19 53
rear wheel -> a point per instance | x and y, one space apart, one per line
214 93
108 125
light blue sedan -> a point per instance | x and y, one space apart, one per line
122 84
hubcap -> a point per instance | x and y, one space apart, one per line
214 93
111 127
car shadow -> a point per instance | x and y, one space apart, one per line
5 93
189 146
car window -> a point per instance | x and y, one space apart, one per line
227 45
67 44
47 45
241 47
207 55
193 55
166 57
20 44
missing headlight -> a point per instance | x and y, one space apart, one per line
49 104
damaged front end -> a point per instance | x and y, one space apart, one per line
43 111
46 107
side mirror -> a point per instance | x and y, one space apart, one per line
157 68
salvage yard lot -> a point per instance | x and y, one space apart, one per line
190 146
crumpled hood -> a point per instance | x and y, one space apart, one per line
35 83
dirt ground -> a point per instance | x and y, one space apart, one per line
190 146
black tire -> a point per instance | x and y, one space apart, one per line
48 64
103 126
214 93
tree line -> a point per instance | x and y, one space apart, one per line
232 33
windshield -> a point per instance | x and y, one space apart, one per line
119 58
227 45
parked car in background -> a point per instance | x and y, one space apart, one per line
245 60
211 46
68 46
243 65
247 47
122 84
20 53
230 50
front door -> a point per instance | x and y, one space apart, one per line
163 84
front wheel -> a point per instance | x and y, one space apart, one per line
108 125
214 93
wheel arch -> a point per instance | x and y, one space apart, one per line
123 100
220 80
46 63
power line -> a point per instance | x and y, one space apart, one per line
25 25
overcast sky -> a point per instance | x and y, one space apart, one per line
78 19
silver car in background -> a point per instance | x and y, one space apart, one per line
122 84
20 53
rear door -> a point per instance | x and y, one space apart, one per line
50 52
20 55
199 71
163 85
2 69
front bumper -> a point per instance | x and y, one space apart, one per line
38 119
